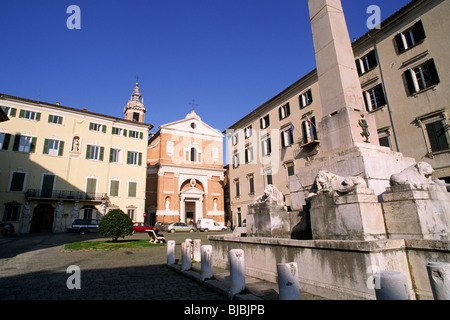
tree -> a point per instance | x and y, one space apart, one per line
115 224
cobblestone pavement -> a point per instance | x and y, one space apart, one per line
34 267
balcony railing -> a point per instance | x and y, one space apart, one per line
65 195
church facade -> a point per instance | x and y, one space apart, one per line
185 172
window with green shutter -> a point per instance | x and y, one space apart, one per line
114 188
17 181
91 185
132 189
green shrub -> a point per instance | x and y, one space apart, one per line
115 224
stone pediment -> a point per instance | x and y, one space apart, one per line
192 191
192 124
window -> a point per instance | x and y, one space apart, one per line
290 167
248 132
30 115
287 138
53 147
115 155
95 152
366 63
437 135
193 155
10 112
119 132
135 116
421 77
436 130
266 147
17 181
235 139
305 99
132 189
374 98
135 134
309 129
11 211
249 154
268 174
384 138
55 119
24 144
4 141
131 213
236 185
236 161
134 158
251 183
91 186
97 127
284 111
114 188
410 37
264 122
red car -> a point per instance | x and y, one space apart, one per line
142 227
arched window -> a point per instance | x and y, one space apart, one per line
193 154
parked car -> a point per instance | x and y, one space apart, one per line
180 226
143 227
7 227
209 225
162 225
84 226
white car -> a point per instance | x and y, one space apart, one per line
209 225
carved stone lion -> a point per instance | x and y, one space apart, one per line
271 195
418 176
327 181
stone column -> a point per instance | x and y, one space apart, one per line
237 271
186 263
197 250
288 281
171 252
207 271
391 285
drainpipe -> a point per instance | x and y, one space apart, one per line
385 91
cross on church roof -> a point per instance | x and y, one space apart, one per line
193 104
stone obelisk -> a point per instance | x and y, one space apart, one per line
348 134
340 88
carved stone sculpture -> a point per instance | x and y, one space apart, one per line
327 181
417 176
271 195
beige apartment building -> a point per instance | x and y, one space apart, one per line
58 163
185 172
403 68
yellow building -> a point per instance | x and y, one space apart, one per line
58 163
185 172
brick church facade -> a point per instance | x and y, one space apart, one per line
185 173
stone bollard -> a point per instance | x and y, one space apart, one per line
439 275
197 256
288 281
391 285
186 263
237 271
206 253
171 252
189 243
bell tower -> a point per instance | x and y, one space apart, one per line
135 109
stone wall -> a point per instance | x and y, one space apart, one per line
336 269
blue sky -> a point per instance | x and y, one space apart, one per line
231 56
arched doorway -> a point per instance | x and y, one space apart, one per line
191 201
42 220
